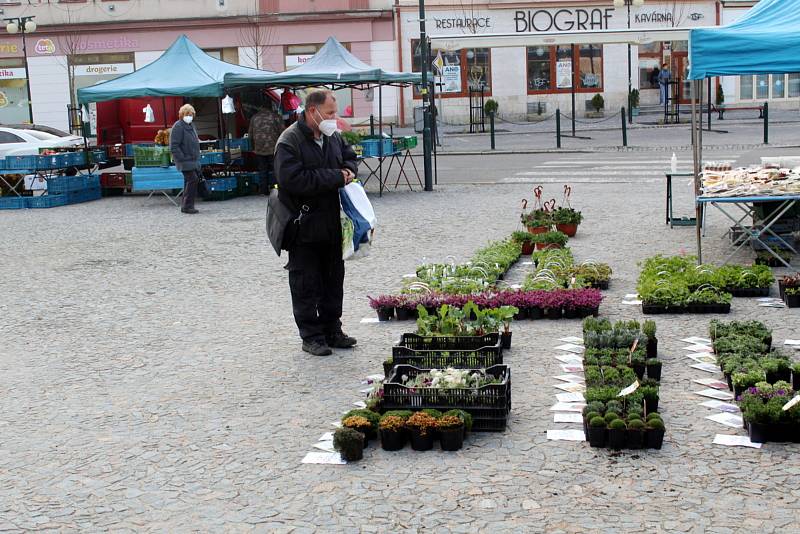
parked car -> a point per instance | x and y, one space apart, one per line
29 139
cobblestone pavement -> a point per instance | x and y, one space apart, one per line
152 381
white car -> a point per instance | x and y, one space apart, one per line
28 140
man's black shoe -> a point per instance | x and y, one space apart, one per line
317 348
191 211
340 340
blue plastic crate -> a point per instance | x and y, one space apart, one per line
12 203
222 184
84 195
98 155
21 162
76 158
372 147
212 158
130 146
47 201
51 161
156 178
91 181
62 184
242 143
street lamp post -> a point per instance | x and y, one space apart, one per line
23 25
426 101
627 4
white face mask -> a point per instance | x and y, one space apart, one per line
188 119
328 127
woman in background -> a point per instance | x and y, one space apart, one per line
185 147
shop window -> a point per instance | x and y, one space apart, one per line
794 85
550 68
539 68
746 88
650 58
13 92
778 86
463 70
762 86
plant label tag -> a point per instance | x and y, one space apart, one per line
702 358
336 424
360 404
727 419
571 387
569 359
571 347
792 342
699 348
694 340
791 403
711 382
628 390
707 367
327 436
632 296
569 378
329 458
567 417
735 441
370 320
570 397
721 406
326 446
715 394
568 407
635 344
572 367
572 339
566 435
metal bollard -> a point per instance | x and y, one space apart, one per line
491 127
624 128
766 123
558 128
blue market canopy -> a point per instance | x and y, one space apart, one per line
765 40
183 70
332 65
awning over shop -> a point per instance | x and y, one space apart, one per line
333 65
765 40
182 70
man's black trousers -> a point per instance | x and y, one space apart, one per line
316 279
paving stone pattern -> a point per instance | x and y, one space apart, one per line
152 380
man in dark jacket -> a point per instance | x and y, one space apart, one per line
265 128
311 163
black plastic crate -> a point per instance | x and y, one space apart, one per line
437 359
417 342
490 404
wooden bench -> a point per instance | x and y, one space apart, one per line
723 108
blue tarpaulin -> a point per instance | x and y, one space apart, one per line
182 70
766 40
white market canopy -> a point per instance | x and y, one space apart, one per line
500 40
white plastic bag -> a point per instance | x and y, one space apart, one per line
359 199
148 114
227 105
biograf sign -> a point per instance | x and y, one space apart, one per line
562 20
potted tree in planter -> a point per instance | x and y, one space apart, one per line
633 102
451 432
617 433
597 432
525 240
655 431
393 432
567 220
349 443
649 329
421 425
635 433
549 240
598 103
654 368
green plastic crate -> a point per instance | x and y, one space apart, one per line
151 156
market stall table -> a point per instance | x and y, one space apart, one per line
402 157
758 232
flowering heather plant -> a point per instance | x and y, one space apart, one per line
383 301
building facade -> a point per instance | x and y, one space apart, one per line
81 42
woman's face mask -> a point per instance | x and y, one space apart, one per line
188 119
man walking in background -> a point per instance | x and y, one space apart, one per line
311 163
265 128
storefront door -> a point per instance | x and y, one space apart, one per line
680 72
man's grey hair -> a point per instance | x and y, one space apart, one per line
317 98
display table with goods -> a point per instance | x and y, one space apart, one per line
763 379
678 285
622 405
46 180
737 194
373 152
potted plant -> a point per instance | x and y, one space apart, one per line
633 102
383 305
548 240
490 107
617 433
653 369
639 365
421 426
776 369
635 433
792 297
349 443
356 422
598 103
597 432
451 432
649 329
746 379
392 429
372 417
405 308
567 220
796 376
654 432
538 221
650 395
465 416
525 240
